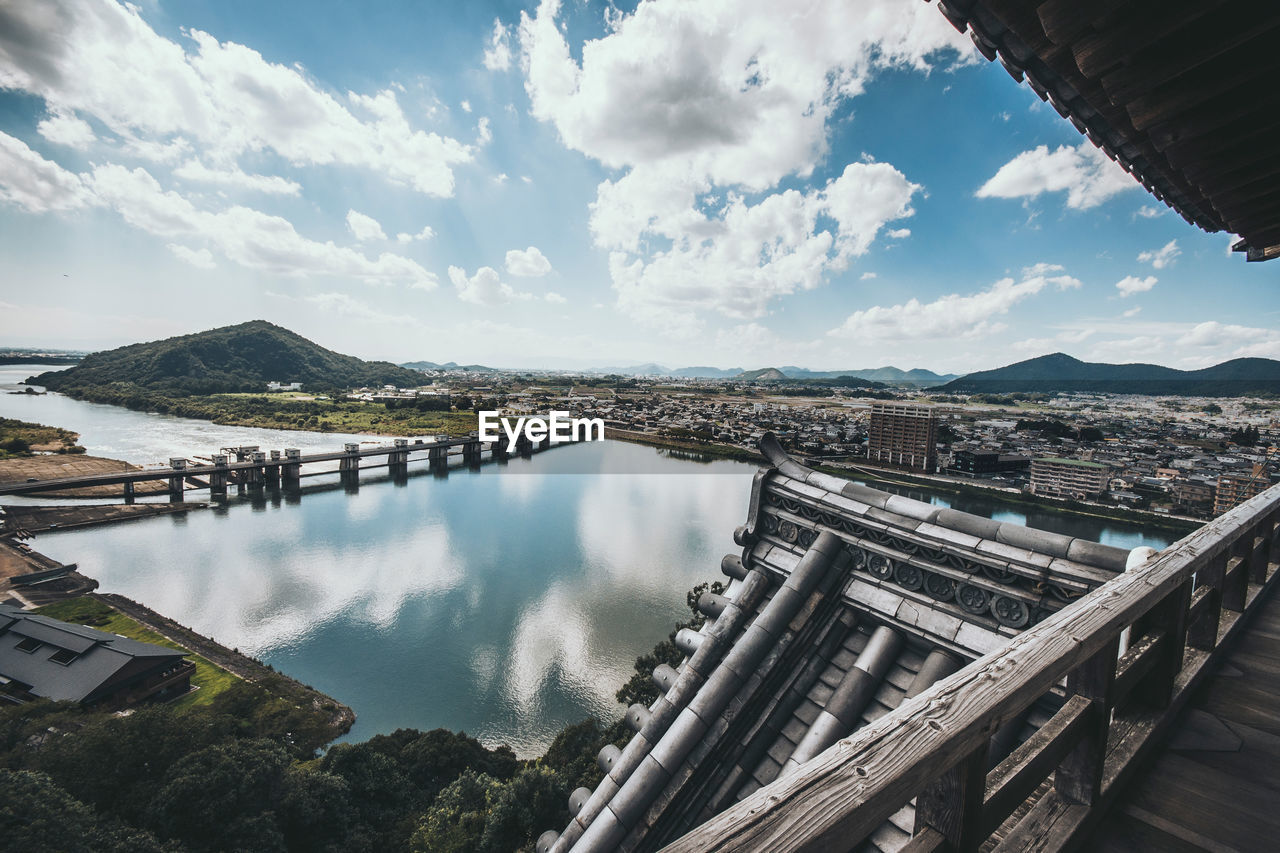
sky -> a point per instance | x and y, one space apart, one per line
734 183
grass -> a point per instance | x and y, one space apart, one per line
210 678
16 437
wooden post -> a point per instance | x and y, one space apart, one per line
128 491
953 804
1203 633
1079 776
1168 619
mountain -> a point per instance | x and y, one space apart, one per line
448 365
244 357
764 374
888 375
1060 372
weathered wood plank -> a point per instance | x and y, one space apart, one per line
1202 629
1079 776
1134 665
953 804
1013 780
1168 618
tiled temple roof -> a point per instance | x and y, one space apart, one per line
844 602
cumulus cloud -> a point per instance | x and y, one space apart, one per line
364 228
898 233
1148 212
1086 174
248 237
94 57
194 170
65 128
35 184
486 287
1162 257
866 276
497 56
201 258
705 106
951 316
483 134
529 262
1131 284
426 233
554 298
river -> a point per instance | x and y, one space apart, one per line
506 601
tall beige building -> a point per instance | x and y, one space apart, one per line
903 435
1235 489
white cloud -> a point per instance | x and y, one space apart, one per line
484 288
737 261
500 178
952 316
554 298
426 233
63 127
94 57
898 233
1149 212
364 228
194 170
1214 334
529 262
1052 344
246 236
466 106
866 276
201 258
1131 284
1083 171
1162 257
483 134
347 306
687 98
497 56
36 184
1132 312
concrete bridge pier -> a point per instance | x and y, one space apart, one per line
438 457
350 462
128 492
471 452
524 445
178 464
350 480
400 456
291 471
498 450
218 479
253 477
272 472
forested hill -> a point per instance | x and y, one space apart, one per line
1061 372
244 357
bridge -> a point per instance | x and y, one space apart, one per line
254 467
885 675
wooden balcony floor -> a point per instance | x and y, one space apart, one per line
1216 784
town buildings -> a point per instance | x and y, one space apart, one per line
903 435
1069 478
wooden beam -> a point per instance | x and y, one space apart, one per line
1134 665
952 805
1202 628
1168 618
1013 780
1079 776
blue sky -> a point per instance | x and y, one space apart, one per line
837 185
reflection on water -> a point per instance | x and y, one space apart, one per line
506 602
506 606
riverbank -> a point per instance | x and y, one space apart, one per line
28 520
894 477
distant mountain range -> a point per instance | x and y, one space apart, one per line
888 375
244 357
448 365
1060 372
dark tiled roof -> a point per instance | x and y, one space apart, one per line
845 602
101 659
1181 93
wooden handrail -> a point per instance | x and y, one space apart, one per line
930 746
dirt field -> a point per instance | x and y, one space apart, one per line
74 465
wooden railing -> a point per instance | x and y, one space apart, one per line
1180 608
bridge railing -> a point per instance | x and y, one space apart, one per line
1179 607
